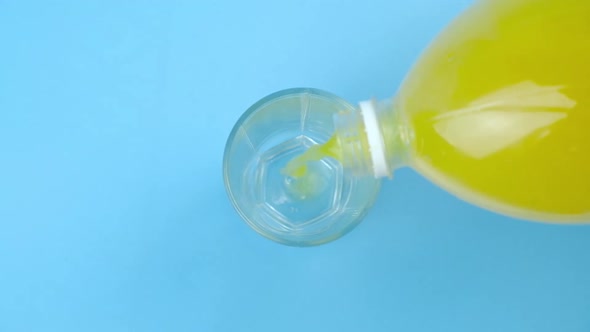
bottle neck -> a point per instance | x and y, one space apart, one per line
373 139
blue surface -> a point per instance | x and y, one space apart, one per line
113 215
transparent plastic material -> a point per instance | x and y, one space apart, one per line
316 209
496 112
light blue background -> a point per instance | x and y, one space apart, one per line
113 214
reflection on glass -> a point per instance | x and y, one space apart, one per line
503 118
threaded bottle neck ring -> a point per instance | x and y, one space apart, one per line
374 138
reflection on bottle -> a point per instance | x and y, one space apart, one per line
503 118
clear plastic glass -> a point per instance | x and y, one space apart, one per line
318 208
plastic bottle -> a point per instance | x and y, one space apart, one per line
496 111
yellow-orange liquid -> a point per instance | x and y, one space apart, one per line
303 183
297 167
498 108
